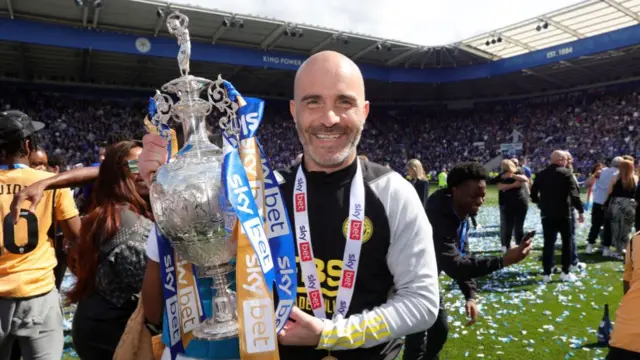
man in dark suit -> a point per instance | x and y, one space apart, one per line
555 192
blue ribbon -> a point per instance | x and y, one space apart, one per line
152 108
170 293
14 166
279 229
463 236
239 194
281 242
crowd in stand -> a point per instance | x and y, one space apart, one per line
591 125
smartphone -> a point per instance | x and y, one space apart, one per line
530 235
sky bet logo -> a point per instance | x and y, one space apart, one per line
305 251
355 230
249 123
347 279
300 202
258 327
314 297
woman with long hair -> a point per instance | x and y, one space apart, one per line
621 206
417 177
111 254
513 198
590 182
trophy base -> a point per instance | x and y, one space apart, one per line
224 323
215 331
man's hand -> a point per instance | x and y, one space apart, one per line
154 154
32 193
580 219
472 311
304 330
517 254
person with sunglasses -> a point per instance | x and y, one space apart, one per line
112 252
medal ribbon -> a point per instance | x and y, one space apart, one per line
352 247
244 187
183 304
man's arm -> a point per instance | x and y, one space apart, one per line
33 193
627 275
535 189
468 288
411 260
574 193
505 187
152 296
72 178
449 258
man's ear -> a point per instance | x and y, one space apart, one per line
27 147
292 110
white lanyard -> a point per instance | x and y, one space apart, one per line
351 249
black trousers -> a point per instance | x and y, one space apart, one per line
621 354
427 346
512 218
95 315
574 247
597 222
551 227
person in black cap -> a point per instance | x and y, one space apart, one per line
27 254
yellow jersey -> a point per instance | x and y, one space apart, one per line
27 254
626 332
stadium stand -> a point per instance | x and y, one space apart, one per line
539 76
592 125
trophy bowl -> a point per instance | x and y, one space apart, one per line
187 193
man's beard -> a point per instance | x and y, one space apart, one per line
335 159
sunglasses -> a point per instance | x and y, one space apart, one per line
133 166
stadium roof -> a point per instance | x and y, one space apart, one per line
145 17
589 18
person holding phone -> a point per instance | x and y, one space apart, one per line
449 211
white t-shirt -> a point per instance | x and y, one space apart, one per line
601 188
152 246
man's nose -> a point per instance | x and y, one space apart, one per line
330 118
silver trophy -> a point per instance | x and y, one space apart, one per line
186 192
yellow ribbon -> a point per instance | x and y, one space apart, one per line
258 339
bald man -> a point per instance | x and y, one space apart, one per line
367 233
556 193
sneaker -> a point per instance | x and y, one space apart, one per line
616 255
606 252
590 249
569 277
546 279
580 266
